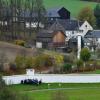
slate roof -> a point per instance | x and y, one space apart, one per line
50 13
53 12
66 24
57 27
94 33
45 33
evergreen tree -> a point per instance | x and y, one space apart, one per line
97 14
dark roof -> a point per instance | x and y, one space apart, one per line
94 33
66 24
45 33
56 12
57 26
53 12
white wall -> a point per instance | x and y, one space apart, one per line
86 27
52 78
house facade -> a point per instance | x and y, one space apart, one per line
94 38
50 39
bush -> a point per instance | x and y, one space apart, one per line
19 42
20 61
67 67
79 63
12 66
8 94
98 52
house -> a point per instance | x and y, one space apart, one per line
72 26
50 39
85 27
94 37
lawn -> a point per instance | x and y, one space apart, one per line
74 6
73 94
78 91
92 72
21 87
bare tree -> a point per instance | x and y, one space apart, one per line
40 11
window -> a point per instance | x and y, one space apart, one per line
86 26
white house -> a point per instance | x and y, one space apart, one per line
83 26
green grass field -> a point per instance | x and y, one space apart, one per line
80 91
21 87
92 72
78 94
74 6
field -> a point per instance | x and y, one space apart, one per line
92 72
72 91
74 6
73 94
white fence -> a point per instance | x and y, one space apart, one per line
54 78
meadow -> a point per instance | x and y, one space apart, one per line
73 91
74 6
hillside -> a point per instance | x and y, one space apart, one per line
74 6
11 50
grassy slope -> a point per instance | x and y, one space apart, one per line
72 5
11 50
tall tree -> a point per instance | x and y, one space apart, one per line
40 11
97 14
87 14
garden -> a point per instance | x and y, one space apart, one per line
51 62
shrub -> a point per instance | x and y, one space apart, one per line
67 67
20 61
29 62
19 42
79 63
85 55
98 52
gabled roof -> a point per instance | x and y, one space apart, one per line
57 27
55 12
66 24
45 33
93 34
